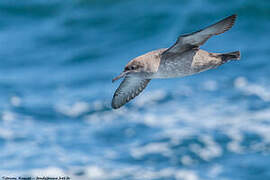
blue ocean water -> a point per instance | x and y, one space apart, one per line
58 59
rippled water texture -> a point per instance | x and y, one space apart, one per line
57 61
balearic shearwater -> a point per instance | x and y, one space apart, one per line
182 59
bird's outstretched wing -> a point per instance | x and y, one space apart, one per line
196 39
129 88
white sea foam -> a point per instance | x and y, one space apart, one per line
151 148
186 175
6 134
95 173
48 172
184 124
8 116
187 160
252 89
98 173
15 101
215 171
210 85
75 109
211 149
149 98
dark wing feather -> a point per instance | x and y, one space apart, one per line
129 88
196 39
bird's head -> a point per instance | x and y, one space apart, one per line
131 68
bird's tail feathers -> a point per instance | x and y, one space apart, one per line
230 56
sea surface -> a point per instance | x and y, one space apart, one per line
57 60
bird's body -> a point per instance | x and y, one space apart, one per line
178 65
182 59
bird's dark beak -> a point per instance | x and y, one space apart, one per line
120 76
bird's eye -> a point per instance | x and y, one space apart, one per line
130 68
